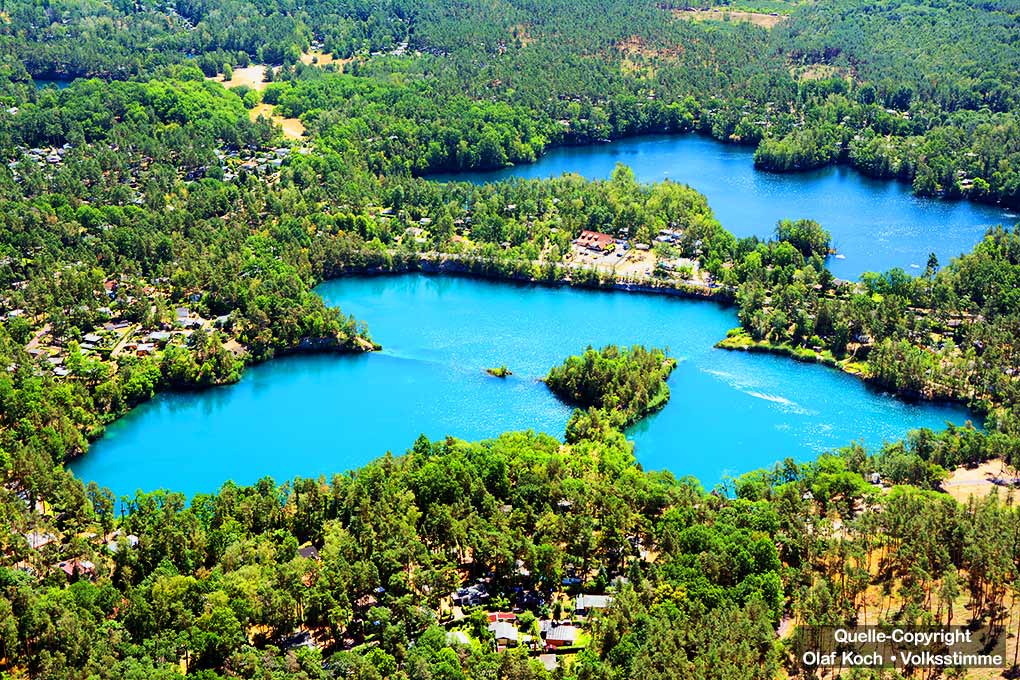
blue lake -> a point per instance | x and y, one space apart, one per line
309 415
876 224
60 84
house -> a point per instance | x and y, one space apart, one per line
504 632
37 539
470 596
562 636
595 240
76 569
584 604
501 616
130 541
299 638
366 601
309 552
144 349
92 339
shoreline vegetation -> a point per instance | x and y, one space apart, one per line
155 226
499 371
612 387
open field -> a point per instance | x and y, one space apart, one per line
247 75
757 18
980 481
292 127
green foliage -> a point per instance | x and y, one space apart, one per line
807 236
925 93
620 385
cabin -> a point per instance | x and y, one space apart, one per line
470 596
562 636
160 338
505 633
129 541
596 241
77 569
37 539
309 552
586 604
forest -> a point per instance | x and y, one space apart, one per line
612 387
925 93
144 203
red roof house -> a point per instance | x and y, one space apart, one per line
594 240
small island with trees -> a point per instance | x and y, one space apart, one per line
613 387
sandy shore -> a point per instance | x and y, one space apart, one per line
963 483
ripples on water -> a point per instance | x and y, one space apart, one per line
308 415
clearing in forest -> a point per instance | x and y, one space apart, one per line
757 18
245 75
292 127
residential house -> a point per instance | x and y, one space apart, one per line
159 337
129 541
470 596
595 240
76 569
586 604
562 636
505 633
37 539
309 552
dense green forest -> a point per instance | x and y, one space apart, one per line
613 387
921 92
158 231
948 333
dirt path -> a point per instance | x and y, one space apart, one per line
34 342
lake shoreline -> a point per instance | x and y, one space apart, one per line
741 343
448 264
842 161
428 372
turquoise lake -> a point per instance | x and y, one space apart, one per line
308 415
875 224
729 412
